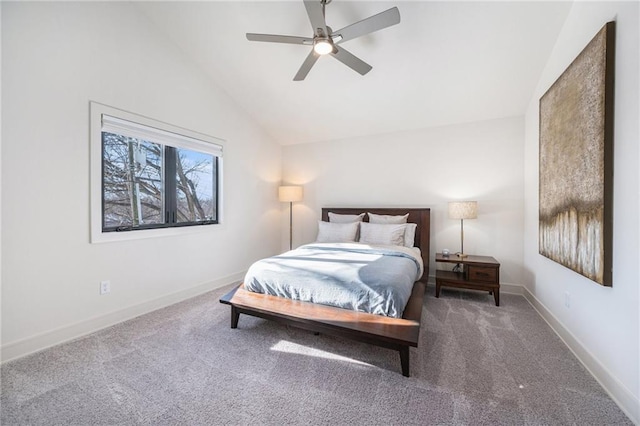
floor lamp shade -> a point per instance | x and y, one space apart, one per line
463 210
289 194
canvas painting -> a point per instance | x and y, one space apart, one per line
576 162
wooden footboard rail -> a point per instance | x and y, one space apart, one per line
392 333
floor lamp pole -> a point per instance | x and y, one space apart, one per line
289 194
290 225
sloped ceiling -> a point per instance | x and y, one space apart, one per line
445 63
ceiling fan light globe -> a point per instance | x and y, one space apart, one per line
322 47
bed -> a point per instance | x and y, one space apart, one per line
399 333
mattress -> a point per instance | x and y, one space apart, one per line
368 278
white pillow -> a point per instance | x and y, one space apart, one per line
388 234
410 234
337 232
345 218
385 218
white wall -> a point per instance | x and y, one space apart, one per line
427 168
0 175
601 324
56 57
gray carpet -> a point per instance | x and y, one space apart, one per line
476 364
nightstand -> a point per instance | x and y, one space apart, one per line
478 273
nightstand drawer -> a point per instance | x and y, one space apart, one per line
478 273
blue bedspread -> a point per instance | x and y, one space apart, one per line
361 277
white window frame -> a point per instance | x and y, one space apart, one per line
174 136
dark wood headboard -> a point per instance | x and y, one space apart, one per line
421 217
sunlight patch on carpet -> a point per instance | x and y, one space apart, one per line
294 348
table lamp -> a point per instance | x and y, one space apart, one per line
290 194
463 210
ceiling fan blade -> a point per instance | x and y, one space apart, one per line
373 23
351 61
279 38
316 17
306 66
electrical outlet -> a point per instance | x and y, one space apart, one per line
567 299
105 287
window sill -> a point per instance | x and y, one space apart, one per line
97 236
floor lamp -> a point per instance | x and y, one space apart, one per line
463 210
290 194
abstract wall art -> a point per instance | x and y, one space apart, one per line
576 162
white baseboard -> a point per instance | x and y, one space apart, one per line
616 390
55 337
508 288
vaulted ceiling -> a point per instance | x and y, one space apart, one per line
445 63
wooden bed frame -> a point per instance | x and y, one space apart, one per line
393 333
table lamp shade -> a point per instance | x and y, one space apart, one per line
463 210
290 193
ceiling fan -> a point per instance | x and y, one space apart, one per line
325 40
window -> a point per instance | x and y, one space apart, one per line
151 175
